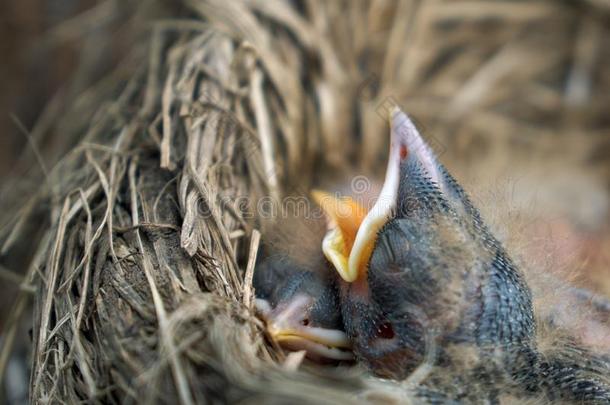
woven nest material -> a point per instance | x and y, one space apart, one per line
143 268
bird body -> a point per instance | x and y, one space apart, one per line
420 281
436 280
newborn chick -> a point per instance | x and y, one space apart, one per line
422 272
296 290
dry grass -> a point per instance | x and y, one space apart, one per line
143 265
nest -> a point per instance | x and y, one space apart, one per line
143 268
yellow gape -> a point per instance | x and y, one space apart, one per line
345 215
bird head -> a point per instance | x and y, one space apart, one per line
420 265
297 295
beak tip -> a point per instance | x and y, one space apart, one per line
394 111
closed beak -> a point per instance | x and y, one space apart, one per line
290 327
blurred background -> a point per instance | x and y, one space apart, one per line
514 94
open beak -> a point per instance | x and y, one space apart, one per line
344 219
291 328
352 234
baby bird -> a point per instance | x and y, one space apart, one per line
421 273
296 290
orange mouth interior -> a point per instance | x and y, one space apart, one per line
345 215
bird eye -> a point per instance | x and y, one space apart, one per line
385 331
305 322
403 152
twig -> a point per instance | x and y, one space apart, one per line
54 259
247 288
166 103
263 126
